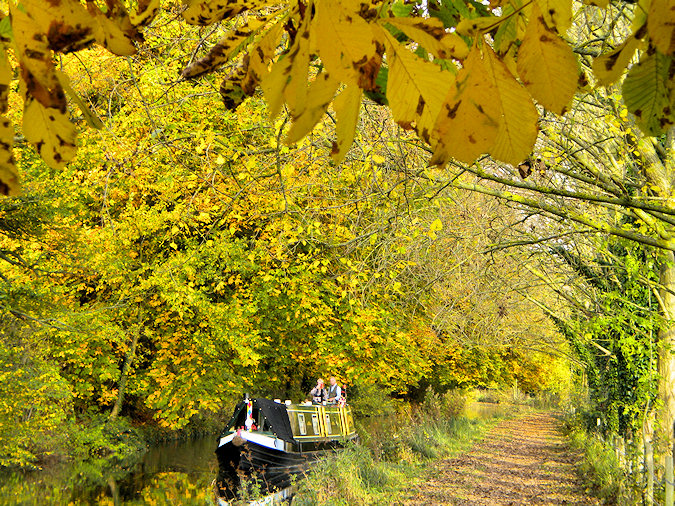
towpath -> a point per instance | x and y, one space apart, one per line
521 461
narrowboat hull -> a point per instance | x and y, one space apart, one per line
270 468
281 453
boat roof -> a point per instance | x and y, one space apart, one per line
276 416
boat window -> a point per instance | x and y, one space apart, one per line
302 424
329 429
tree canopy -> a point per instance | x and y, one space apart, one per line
463 74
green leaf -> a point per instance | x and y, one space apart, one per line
379 94
444 11
646 94
401 10
5 28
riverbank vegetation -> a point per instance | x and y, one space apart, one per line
187 254
600 467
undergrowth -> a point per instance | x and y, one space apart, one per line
599 468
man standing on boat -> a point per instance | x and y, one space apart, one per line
318 393
334 391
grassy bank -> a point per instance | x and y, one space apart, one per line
396 454
599 467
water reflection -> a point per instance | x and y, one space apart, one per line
172 473
486 410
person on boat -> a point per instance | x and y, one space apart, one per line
318 393
334 391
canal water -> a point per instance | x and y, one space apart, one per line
178 473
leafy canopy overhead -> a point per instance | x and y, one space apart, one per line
465 76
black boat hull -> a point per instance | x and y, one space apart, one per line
269 445
269 468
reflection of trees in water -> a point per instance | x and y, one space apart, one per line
114 491
177 488
172 473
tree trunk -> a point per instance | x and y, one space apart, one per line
661 173
666 348
128 360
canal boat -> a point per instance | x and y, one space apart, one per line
272 444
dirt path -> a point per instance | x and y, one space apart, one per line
520 462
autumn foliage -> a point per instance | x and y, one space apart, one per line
465 76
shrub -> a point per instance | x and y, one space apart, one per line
453 403
599 468
368 400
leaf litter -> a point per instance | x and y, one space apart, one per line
521 461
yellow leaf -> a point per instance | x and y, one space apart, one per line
509 59
661 25
347 106
599 3
431 35
288 78
415 88
50 131
113 30
231 44
260 56
45 123
207 12
640 15
145 12
469 120
547 66
231 90
9 177
72 26
346 43
608 67
470 27
35 58
320 94
92 120
68 26
436 225
518 127
557 14
274 84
